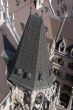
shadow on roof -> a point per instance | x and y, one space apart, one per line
8 45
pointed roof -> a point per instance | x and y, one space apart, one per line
31 68
66 33
55 23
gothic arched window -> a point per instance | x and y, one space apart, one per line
72 52
60 61
62 47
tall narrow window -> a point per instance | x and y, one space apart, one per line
72 52
62 47
58 13
40 77
17 2
35 3
70 66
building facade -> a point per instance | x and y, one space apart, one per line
61 59
61 7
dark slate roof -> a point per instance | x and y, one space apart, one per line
32 65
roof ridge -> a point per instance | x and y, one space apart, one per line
60 30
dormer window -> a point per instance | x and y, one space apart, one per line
62 47
17 2
19 71
26 75
35 3
29 76
40 77
58 1
58 12
60 61
70 65
72 52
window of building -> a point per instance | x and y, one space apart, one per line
10 99
55 59
72 52
22 26
58 1
4 15
46 9
17 2
62 9
70 66
19 72
65 7
40 78
66 88
62 47
46 29
69 77
34 3
27 75
24 0
58 13
60 61
56 72
15 71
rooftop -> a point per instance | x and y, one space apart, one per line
6 42
31 69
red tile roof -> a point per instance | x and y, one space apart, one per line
4 88
67 32
22 12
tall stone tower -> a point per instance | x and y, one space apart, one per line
29 71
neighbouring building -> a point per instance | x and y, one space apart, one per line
20 13
8 43
7 51
61 7
61 57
